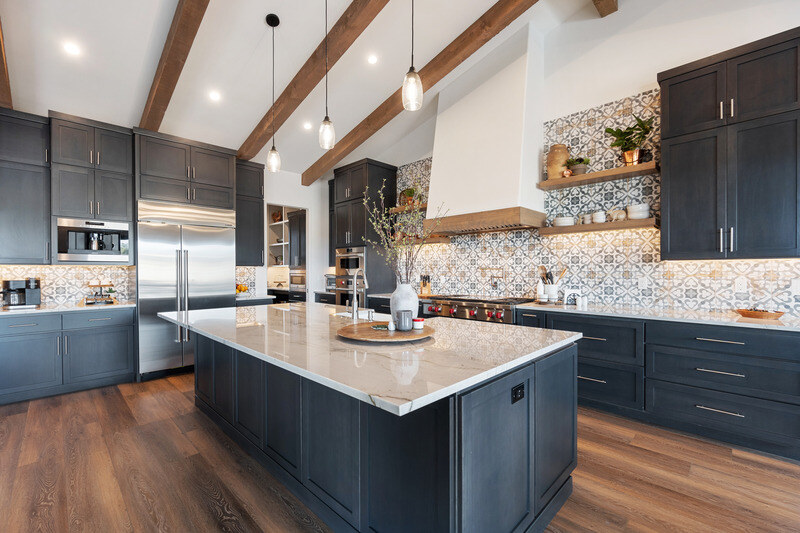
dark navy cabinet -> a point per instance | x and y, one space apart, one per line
284 418
249 214
24 138
30 363
214 376
325 298
24 214
81 192
249 390
86 143
609 339
94 353
534 319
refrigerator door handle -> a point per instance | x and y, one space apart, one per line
186 293
178 292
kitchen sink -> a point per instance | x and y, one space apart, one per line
364 314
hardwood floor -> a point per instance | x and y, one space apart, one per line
141 457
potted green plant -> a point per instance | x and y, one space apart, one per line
407 196
631 139
578 165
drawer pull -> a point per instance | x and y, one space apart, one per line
734 374
720 411
592 379
718 340
99 319
601 339
530 316
23 325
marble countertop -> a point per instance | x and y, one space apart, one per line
245 297
398 378
65 308
715 318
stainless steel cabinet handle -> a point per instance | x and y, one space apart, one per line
194 194
98 208
91 207
98 158
186 290
596 339
187 172
178 285
731 245
721 112
721 241
530 316
194 173
731 106
91 156
720 411
66 345
718 340
58 345
23 325
99 319
708 370
602 381
45 155
188 192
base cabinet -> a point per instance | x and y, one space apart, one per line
30 363
97 353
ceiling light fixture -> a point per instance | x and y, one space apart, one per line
327 133
214 96
372 59
273 157
412 84
72 48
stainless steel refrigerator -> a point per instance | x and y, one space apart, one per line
186 259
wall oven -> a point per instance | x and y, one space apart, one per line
91 241
348 262
297 280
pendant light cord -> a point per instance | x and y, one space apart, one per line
326 58
273 86
412 33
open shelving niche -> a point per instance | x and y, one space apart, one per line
277 236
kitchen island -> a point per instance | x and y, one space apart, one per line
473 429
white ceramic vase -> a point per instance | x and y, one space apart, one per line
404 298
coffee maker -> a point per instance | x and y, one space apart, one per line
22 294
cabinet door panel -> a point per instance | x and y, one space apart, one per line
153 188
764 187
23 141
249 231
249 417
765 82
294 239
283 412
332 238
249 181
342 225
164 159
97 353
332 449
113 151
213 196
24 214
73 191
693 196
223 380
73 144
358 182
611 383
358 224
212 168
610 339
691 102
29 362
341 184
530 318
204 368
113 193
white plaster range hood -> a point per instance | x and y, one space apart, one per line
487 144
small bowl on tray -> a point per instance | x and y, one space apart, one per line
760 314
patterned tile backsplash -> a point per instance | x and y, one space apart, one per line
63 284
614 267
247 276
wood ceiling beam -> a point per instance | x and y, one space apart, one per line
358 15
605 7
5 84
492 22
185 23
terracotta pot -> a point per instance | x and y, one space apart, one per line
631 157
556 160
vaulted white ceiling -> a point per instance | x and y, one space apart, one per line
121 42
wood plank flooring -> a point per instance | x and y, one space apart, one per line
141 457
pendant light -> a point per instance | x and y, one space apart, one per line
327 134
412 84
273 157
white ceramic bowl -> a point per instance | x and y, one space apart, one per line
564 221
638 216
639 207
599 217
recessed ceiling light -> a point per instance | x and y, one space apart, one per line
372 59
307 126
72 48
214 96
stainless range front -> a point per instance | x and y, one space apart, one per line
500 310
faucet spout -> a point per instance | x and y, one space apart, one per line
355 290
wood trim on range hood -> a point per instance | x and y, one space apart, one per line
508 219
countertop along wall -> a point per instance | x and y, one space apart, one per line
62 284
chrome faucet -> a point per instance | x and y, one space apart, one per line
355 290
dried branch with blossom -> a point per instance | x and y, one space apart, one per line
400 236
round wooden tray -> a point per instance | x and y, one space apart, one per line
763 315
364 332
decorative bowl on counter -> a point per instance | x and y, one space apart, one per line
760 313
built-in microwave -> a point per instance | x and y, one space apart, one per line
349 260
92 241
297 280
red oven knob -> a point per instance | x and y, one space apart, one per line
473 312
499 314
452 310
430 308
489 314
438 309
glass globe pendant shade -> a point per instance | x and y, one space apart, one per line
327 135
273 160
412 91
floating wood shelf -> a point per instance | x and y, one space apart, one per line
642 169
603 226
437 239
404 208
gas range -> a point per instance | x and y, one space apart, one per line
499 310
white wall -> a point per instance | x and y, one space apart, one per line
590 61
285 188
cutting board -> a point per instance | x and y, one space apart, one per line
364 332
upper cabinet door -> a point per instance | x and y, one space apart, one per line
358 224
73 144
24 214
358 181
342 225
694 101
164 159
113 195
213 196
113 151
24 141
341 186
764 187
249 181
249 231
73 192
765 82
693 196
212 168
